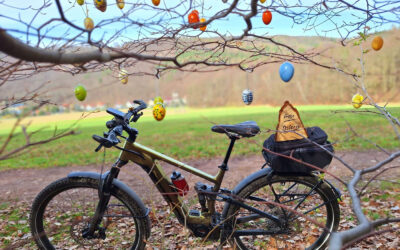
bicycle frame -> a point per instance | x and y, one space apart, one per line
209 223
149 160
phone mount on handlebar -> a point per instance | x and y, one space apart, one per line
116 113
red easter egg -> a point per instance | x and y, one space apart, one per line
193 17
267 17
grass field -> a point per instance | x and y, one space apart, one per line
185 133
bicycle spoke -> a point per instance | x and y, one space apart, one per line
312 190
287 190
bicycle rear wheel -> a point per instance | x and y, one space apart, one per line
62 211
300 201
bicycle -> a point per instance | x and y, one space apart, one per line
99 211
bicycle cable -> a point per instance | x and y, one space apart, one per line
103 163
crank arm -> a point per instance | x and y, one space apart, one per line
257 232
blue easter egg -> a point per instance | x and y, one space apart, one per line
247 96
286 71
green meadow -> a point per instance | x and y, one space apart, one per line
185 133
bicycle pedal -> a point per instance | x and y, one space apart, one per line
194 212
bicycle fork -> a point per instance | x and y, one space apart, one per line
104 192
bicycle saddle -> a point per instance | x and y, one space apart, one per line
244 129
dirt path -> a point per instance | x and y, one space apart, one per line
24 184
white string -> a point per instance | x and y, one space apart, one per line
247 80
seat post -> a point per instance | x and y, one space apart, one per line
224 165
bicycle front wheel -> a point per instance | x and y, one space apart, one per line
306 205
62 211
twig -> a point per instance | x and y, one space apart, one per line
374 177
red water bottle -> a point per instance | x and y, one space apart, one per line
180 183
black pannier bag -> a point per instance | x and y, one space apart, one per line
301 149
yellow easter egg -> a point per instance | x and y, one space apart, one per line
80 2
357 101
158 100
100 5
120 4
159 112
262 1
88 22
123 76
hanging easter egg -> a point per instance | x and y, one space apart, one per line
286 71
80 92
203 27
247 96
357 101
121 4
158 100
159 112
267 17
377 43
262 1
193 17
156 2
88 22
100 5
123 76
80 2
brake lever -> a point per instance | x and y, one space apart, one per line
98 148
136 117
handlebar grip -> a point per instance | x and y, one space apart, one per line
111 139
104 141
98 138
142 105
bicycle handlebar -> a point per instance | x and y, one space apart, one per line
118 124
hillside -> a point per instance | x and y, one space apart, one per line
310 85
